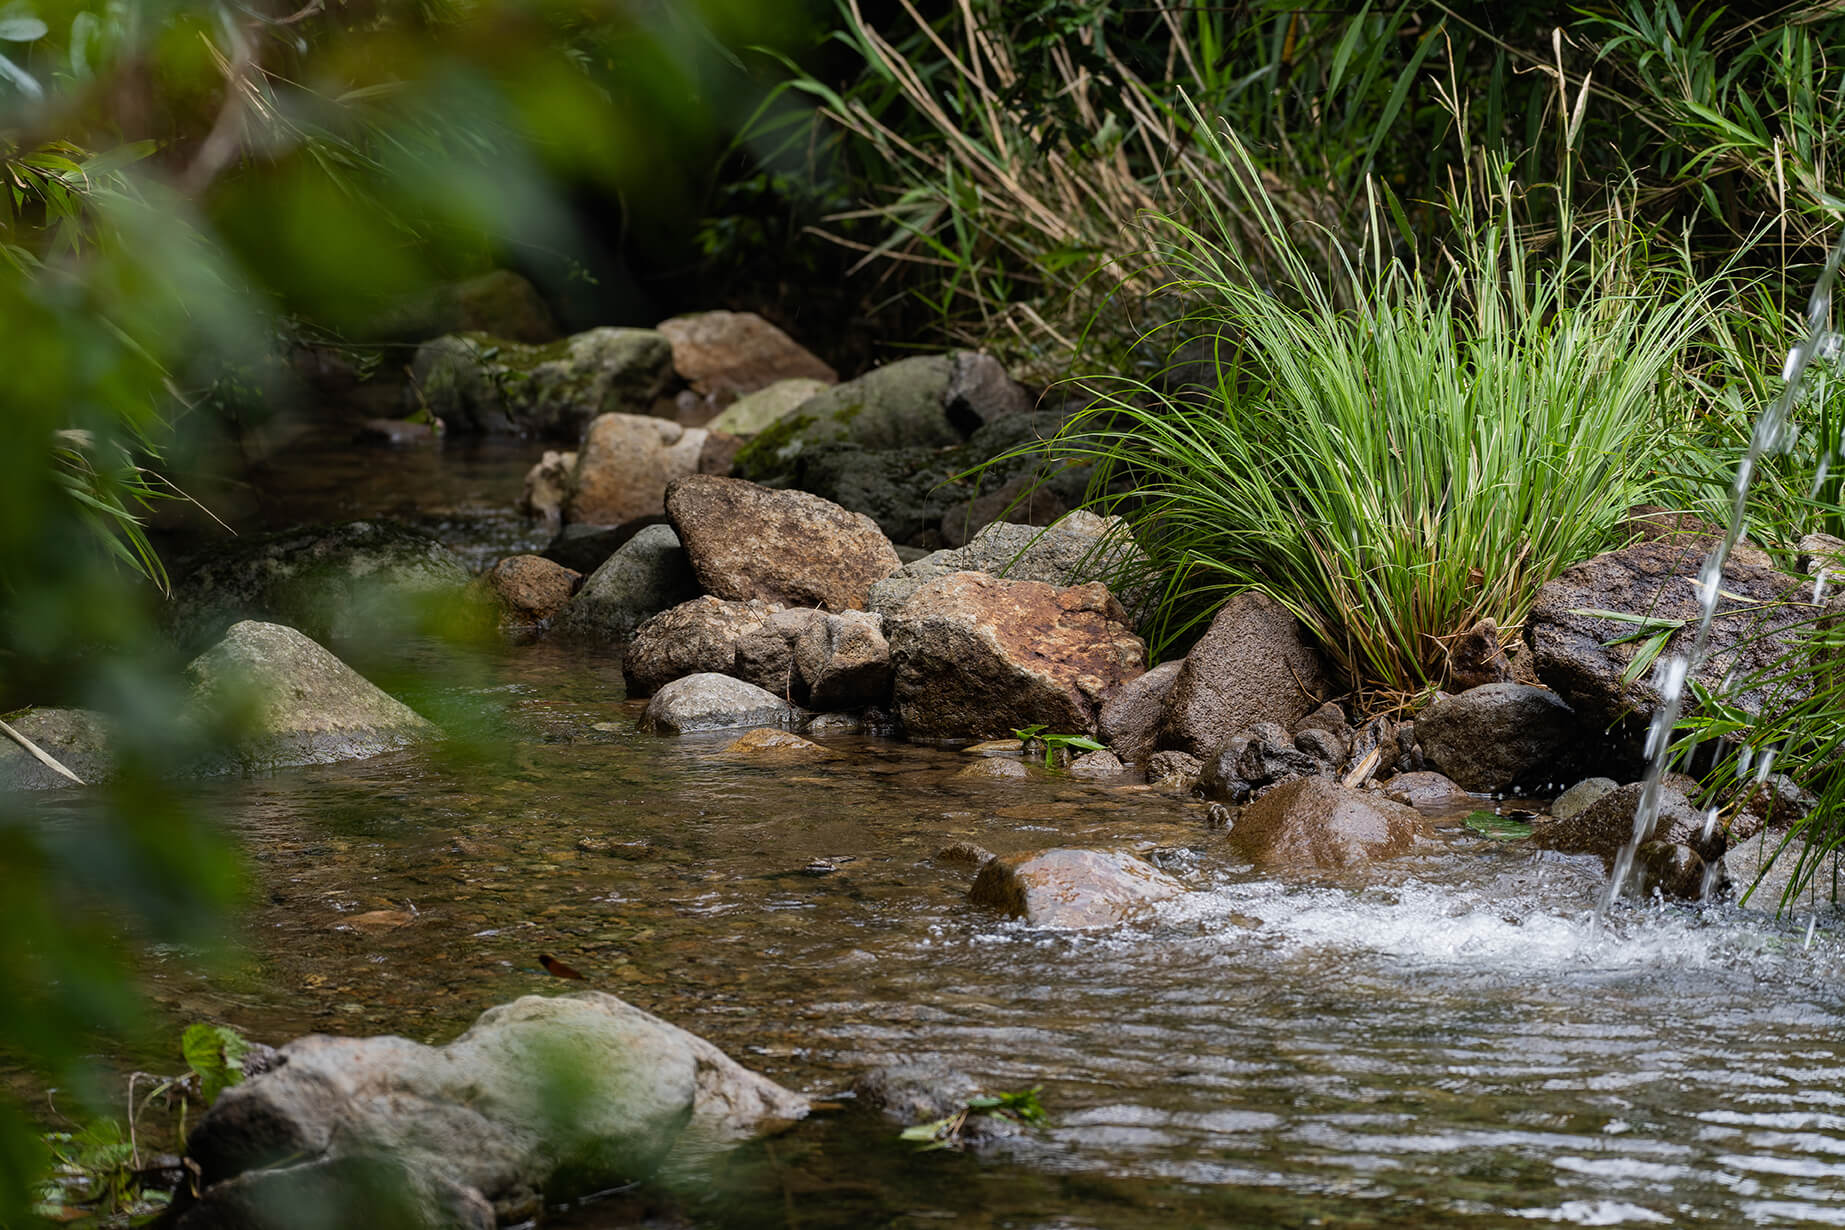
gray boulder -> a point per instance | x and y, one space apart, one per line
1502 736
646 575
78 739
843 661
359 583
1072 889
757 412
714 702
980 392
1570 804
899 405
1577 656
1255 664
540 1100
1761 870
748 542
290 702
1313 823
479 383
1129 721
977 657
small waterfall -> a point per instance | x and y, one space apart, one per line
1672 674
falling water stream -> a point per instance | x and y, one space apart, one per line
1675 671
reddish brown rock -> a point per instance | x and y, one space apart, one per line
530 590
1313 823
976 657
726 354
1072 889
1255 664
786 547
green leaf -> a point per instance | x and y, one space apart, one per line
216 1053
1645 658
22 29
1496 827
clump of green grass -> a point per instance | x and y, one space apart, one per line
1391 456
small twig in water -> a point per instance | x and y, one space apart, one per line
45 758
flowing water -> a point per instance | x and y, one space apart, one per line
1449 1041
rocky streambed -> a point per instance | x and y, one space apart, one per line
739 753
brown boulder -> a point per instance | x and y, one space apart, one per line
748 542
1130 720
697 637
843 661
1315 823
724 355
624 466
530 590
1430 791
1072 889
1255 664
976 657
1476 658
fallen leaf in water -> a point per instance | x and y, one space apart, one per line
556 968
379 920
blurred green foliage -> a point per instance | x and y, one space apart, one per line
178 179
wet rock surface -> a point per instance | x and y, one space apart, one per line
703 702
361 582
1315 824
976 657
529 591
1072 889
78 739
1426 791
1500 737
479 383
1254 665
1576 656
293 703
748 542
1604 826
540 1099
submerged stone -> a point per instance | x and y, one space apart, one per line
1072 889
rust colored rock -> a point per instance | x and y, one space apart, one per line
728 354
1073 889
1255 664
625 465
977 657
787 547
530 590
769 743
1316 824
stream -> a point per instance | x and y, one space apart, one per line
1448 1041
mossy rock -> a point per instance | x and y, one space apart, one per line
480 383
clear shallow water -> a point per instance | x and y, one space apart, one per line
1448 1044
